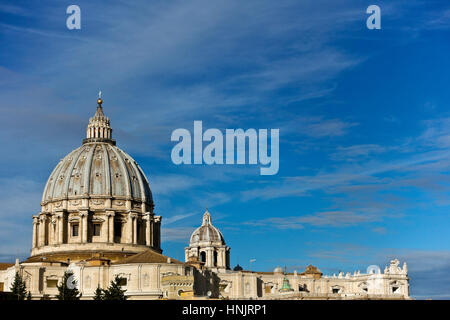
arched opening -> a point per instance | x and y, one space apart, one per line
364 287
336 289
395 287
215 258
203 256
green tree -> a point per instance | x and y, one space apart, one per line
67 290
29 295
18 287
99 294
114 291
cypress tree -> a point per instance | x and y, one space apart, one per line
18 287
99 295
67 290
114 291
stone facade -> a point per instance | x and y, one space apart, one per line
310 284
142 280
175 280
268 285
97 220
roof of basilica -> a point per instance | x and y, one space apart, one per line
148 256
4 266
98 168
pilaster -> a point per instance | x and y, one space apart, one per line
35 231
110 220
84 225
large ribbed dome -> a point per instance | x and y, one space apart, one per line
97 169
96 200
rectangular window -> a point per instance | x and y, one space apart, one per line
52 283
139 231
75 230
96 229
117 229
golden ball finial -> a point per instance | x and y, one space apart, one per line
99 100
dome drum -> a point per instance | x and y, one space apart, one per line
93 140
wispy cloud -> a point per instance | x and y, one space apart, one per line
276 222
380 230
177 217
13 9
177 234
167 184
44 33
437 133
355 152
349 174
338 218
438 20
319 219
319 127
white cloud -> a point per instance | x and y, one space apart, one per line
357 152
177 234
319 219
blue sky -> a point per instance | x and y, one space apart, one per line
363 116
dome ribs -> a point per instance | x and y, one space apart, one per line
87 171
68 175
124 171
139 177
106 162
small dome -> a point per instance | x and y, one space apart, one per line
207 232
278 270
238 268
